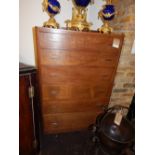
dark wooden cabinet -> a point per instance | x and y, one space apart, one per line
76 72
28 120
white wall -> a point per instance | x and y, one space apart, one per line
31 14
93 14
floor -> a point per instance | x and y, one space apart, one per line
77 143
65 144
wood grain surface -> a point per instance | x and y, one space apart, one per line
76 72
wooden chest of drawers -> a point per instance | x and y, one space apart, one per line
76 71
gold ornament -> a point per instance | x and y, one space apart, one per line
106 17
79 19
51 22
105 28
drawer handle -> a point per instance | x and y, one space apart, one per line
105 76
99 104
53 74
108 59
54 92
54 57
55 124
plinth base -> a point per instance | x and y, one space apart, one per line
51 23
105 28
78 25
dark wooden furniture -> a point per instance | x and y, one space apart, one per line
28 121
76 72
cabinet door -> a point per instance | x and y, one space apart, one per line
26 131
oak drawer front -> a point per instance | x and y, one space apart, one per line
51 92
56 123
68 74
74 92
67 106
106 58
68 41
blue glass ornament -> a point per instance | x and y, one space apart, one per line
82 3
109 12
55 7
52 7
106 14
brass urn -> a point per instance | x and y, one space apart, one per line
107 14
52 7
79 16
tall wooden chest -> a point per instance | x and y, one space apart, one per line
76 72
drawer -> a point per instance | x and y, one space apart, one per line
51 92
69 41
57 123
67 106
66 74
74 91
98 58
